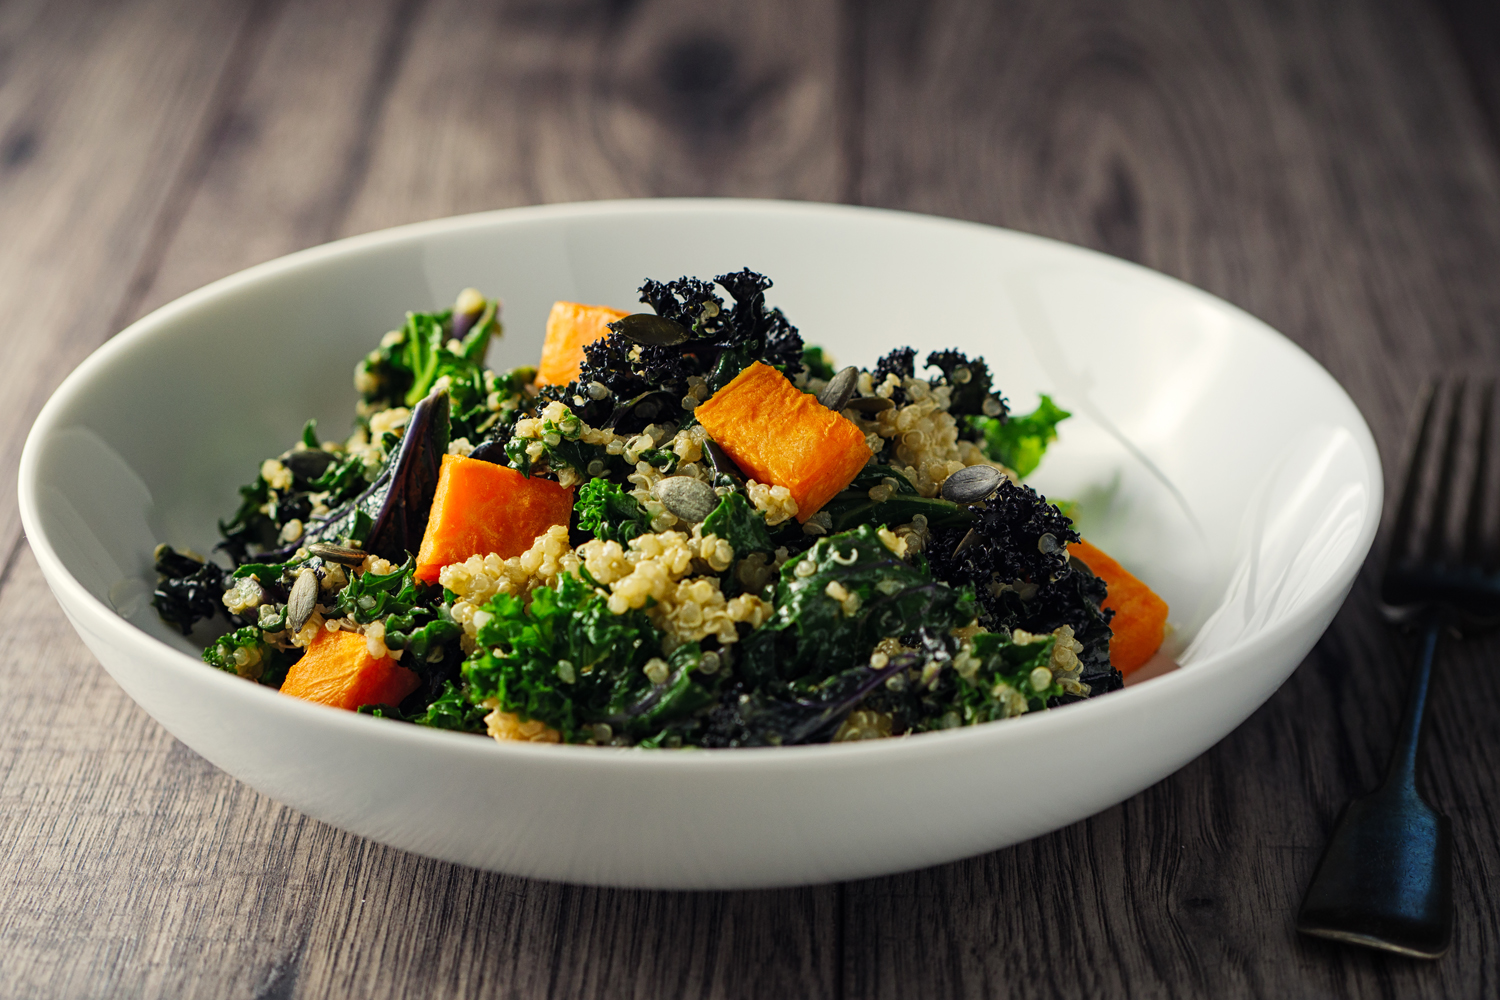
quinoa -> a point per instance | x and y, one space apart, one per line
508 726
773 501
674 637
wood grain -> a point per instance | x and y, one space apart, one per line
1324 167
101 112
1329 167
337 123
530 102
133 867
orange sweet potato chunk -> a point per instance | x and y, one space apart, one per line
481 508
571 327
1140 615
338 670
782 436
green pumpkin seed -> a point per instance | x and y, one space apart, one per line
649 328
840 389
869 405
330 552
303 600
690 499
973 484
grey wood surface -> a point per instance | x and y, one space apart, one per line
1330 166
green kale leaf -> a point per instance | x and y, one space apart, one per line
1020 441
264 662
370 596
404 368
739 524
453 710
853 506
836 601
817 363
606 511
570 662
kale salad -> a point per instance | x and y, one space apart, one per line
683 528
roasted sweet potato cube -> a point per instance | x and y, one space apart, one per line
338 670
570 328
481 508
782 436
1140 615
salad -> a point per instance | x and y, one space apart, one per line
682 528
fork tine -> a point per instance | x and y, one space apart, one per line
1435 542
1475 548
1411 483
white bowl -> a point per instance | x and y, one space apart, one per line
1208 453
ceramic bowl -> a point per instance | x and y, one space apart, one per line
1206 452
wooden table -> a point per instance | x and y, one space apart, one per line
1332 167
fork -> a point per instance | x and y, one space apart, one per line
1385 880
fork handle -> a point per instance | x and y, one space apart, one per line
1402 770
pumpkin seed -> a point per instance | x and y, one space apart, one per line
840 389
308 463
972 484
303 600
869 405
337 553
690 499
649 328
968 542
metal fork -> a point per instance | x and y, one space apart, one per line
1386 879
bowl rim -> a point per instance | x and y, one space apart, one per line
107 623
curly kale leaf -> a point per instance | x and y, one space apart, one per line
1020 441
453 710
749 326
403 369
1019 540
189 590
264 662
1018 565
739 524
606 511
901 363
818 363
250 525
970 379
570 662
836 601
722 340
371 596
854 506
1077 600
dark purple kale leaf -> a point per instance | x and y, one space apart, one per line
971 382
1019 569
902 363
722 340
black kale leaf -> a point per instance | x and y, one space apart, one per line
901 363
1018 566
970 379
1019 539
722 340
189 590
